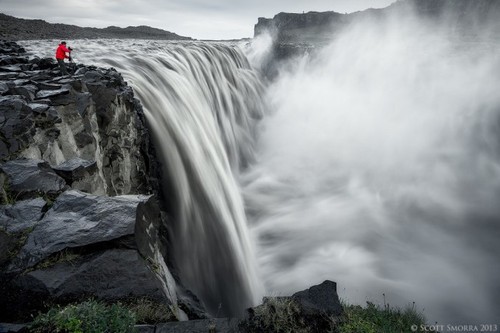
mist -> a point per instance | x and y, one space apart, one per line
379 168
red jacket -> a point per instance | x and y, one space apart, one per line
61 52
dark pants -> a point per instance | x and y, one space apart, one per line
62 66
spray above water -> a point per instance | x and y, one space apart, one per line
379 168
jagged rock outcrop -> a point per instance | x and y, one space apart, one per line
316 309
79 215
28 178
13 28
92 116
84 246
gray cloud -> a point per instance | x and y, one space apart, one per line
202 19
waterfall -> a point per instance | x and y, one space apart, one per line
202 102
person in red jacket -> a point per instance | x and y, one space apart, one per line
63 53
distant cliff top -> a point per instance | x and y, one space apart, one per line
13 28
318 26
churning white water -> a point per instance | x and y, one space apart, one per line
379 168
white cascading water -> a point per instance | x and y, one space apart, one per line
202 102
378 166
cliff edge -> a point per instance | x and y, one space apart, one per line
79 214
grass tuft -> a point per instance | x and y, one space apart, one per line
151 312
87 317
374 319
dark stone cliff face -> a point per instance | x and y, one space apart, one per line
298 34
460 16
90 116
291 27
79 213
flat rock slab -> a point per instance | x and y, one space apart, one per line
75 168
38 107
78 219
21 215
11 68
51 93
29 178
113 274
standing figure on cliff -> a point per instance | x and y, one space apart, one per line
62 53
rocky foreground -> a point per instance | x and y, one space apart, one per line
80 215
78 182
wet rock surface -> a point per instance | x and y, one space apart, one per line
92 115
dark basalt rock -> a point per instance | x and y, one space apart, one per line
78 219
92 129
111 275
75 169
7 245
4 88
319 303
28 91
315 308
11 68
83 246
30 178
51 93
16 125
46 63
21 215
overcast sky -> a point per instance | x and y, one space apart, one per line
200 19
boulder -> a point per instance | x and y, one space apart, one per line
83 246
21 215
46 63
7 245
28 91
114 274
314 309
16 125
28 178
319 303
77 220
75 169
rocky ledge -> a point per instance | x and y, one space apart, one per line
79 215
